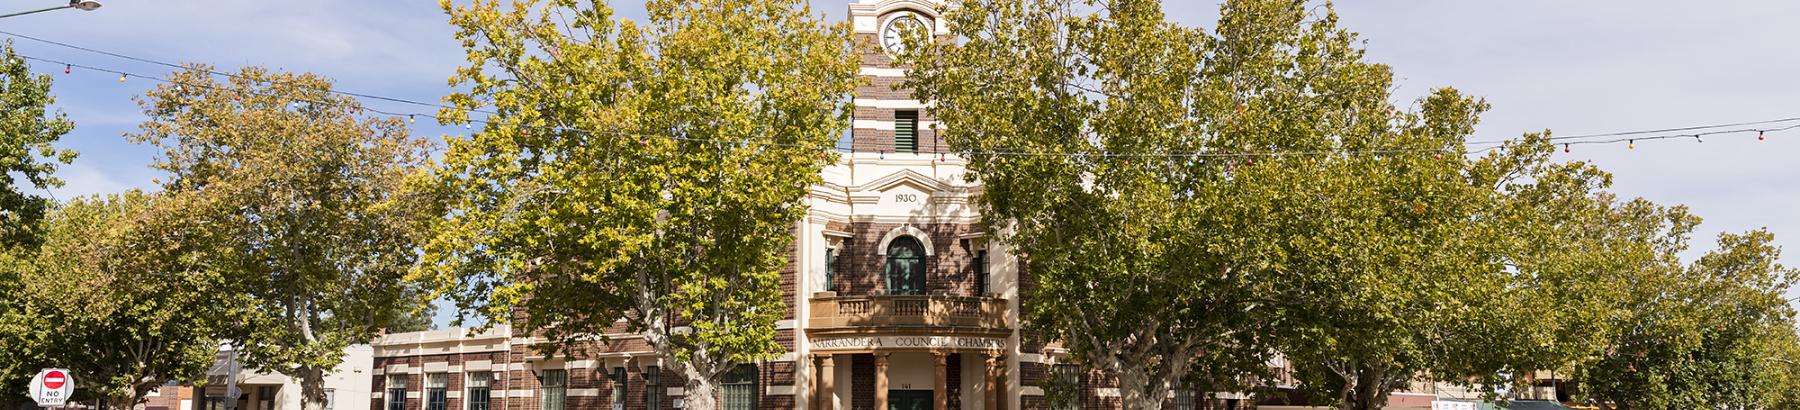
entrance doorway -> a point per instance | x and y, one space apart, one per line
909 399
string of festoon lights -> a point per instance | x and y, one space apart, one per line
1762 129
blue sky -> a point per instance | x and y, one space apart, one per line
1574 67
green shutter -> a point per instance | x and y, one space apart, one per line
906 131
830 269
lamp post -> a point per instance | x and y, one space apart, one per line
83 5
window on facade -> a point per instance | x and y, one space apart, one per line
981 273
1066 378
653 388
330 399
906 131
435 385
1184 399
396 392
620 385
480 391
830 269
553 384
905 267
740 388
267 397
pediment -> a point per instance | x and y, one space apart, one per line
906 177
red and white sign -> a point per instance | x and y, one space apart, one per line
52 387
55 379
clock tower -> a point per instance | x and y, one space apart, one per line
889 120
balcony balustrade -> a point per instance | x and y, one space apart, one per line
895 311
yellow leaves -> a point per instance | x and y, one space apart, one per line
617 167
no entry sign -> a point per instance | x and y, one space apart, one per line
52 387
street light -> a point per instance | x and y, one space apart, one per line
83 5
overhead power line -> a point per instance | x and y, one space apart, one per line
221 73
1628 137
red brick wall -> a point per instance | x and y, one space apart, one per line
862 270
885 88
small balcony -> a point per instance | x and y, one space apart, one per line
935 313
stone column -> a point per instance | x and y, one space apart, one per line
881 382
825 397
990 391
940 388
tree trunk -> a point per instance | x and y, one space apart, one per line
1137 391
701 393
1370 390
312 388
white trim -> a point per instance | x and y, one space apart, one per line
677 391
1031 358
375 395
888 125
905 230
784 324
894 104
1031 391
595 392
866 24
779 390
883 72
519 393
452 394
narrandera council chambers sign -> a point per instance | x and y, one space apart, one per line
908 342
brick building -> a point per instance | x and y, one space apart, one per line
897 299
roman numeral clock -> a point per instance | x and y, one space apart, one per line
893 33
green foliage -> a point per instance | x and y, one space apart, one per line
27 131
418 319
124 302
1375 252
1718 333
651 173
302 206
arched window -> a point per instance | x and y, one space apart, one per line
905 267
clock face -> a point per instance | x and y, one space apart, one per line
897 27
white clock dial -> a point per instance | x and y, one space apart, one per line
897 27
